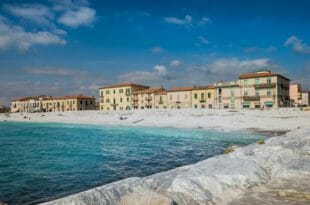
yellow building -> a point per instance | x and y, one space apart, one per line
53 104
295 94
228 95
203 97
145 99
264 89
180 97
118 96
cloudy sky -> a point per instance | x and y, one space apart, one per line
61 47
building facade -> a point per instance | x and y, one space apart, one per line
305 98
203 97
295 95
145 99
179 97
118 96
228 95
264 89
53 104
161 101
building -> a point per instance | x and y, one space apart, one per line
118 96
69 103
179 97
264 89
161 101
4 109
203 97
227 95
305 98
145 99
295 95
28 104
53 104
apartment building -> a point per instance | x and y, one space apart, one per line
228 95
118 96
161 101
295 95
203 97
305 98
53 104
180 97
69 103
264 89
28 104
145 99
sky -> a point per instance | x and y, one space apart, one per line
65 47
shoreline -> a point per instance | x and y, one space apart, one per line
223 179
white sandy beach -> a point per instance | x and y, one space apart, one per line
276 171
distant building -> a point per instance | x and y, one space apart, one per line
295 94
53 104
264 89
4 109
161 101
180 97
228 95
305 98
118 96
145 99
203 97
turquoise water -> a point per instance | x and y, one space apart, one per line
43 161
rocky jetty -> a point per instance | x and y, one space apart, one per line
275 172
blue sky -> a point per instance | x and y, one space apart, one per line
61 47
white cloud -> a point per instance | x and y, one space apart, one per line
17 37
175 63
297 45
84 16
204 20
160 70
203 40
157 49
174 20
36 13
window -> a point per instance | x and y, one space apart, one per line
91 102
101 93
220 91
185 96
195 95
269 81
121 91
232 91
245 93
86 102
202 96
232 99
107 92
256 93
268 92
107 100
209 95
196 106
127 99
81 102
245 82
121 99
114 91
256 81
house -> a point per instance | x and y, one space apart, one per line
295 95
179 97
203 97
145 99
227 95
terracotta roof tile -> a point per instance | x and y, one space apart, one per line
149 90
176 89
260 75
123 85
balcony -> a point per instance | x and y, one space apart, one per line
160 102
265 85
178 102
148 98
251 98
202 100
127 94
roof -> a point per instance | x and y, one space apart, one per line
176 89
72 97
203 87
150 90
260 75
163 92
32 98
123 85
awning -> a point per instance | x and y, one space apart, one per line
269 103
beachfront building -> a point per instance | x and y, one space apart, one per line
227 95
180 97
28 104
295 95
145 99
161 101
69 103
305 98
118 96
264 89
203 97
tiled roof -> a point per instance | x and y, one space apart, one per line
72 97
123 85
176 89
150 90
163 92
32 98
260 75
203 87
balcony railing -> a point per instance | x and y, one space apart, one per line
265 85
160 102
202 100
251 98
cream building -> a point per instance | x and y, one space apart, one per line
305 98
295 94
203 97
264 89
179 97
161 101
118 96
145 99
53 104
227 95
